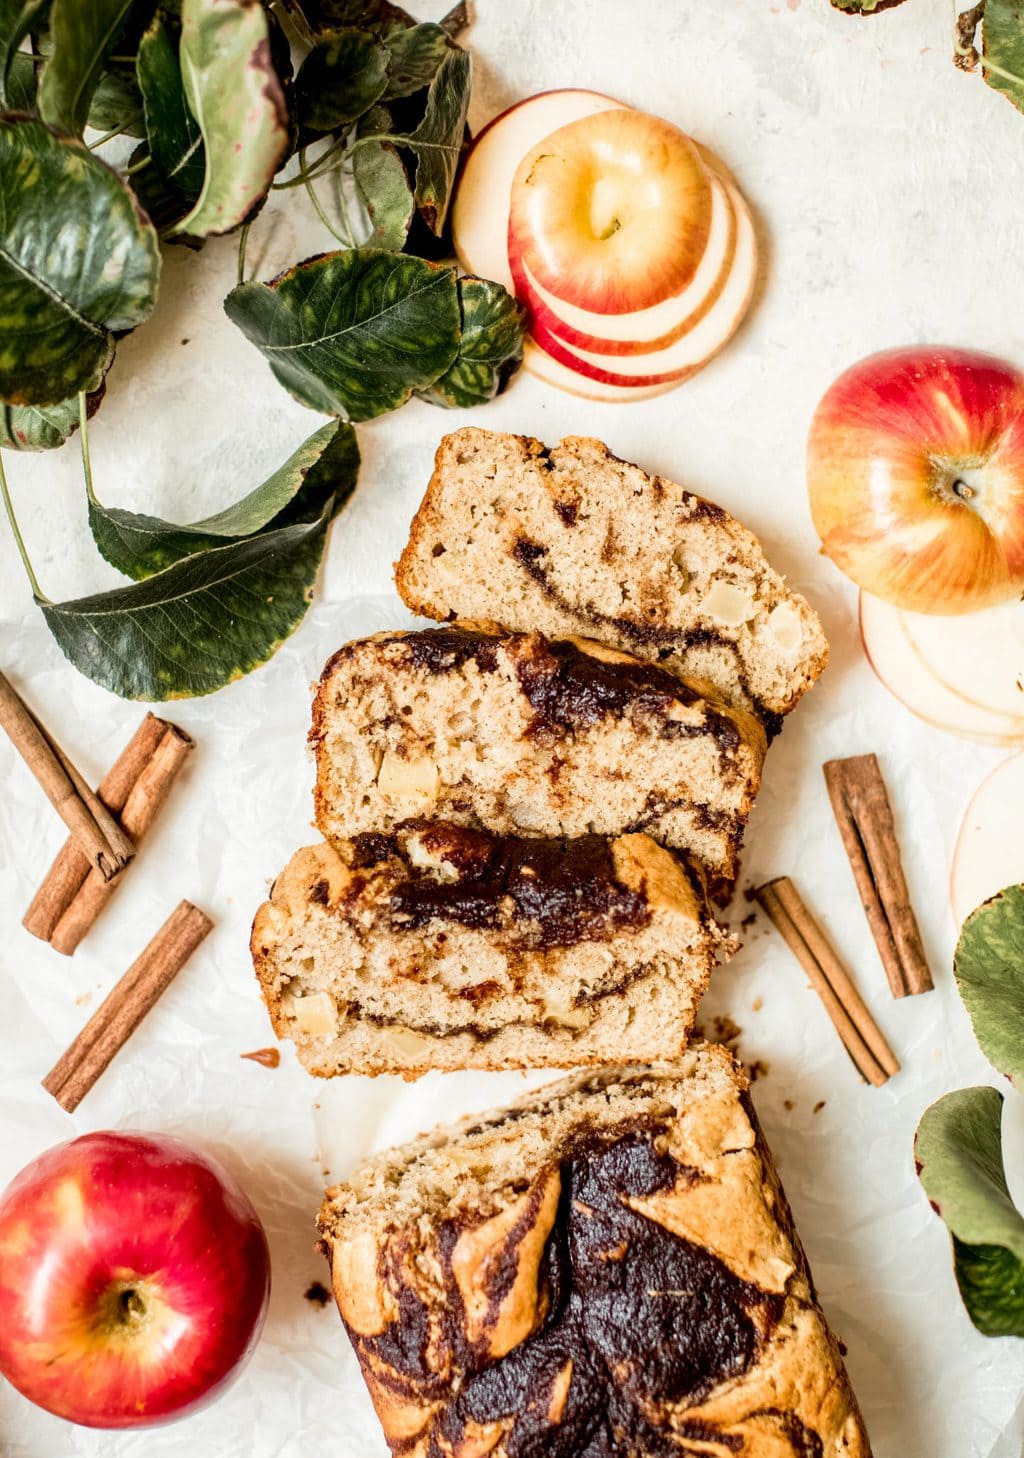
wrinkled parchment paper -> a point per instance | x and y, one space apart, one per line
887 186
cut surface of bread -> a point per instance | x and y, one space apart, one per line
519 735
573 540
607 1267
442 947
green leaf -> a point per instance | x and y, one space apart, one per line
865 7
416 55
42 428
960 1164
117 105
491 348
22 83
16 17
172 133
83 36
382 184
353 333
989 968
437 141
236 96
324 468
343 75
204 622
1003 47
78 262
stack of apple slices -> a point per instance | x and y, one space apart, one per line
630 247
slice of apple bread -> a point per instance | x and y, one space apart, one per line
573 540
608 1266
437 946
518 735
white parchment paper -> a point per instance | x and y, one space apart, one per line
888 188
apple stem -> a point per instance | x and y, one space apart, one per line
133 1308
965 492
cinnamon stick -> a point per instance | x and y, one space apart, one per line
124 1008
70 868
102 840
863 813
860 1034
141 808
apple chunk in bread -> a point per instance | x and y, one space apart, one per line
612 212
483 198
908 677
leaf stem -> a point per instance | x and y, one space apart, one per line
311 190
83 433
243 239
19 540
106 137
137 166
315 169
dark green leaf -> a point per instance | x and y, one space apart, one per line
989 969
960 1164
172 133
77 263
117 105
83 35
437 141
353 333
343 75
324 468
22 83
416 55
16 17
324 15
1003 46
42 428
865 7
201 624
236 96
382 183
165 204
491 348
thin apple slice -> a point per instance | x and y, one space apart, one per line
979 656
540 364
612 212
689 353
483 197
647 329
908 678
989 854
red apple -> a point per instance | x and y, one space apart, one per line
915 466
612 212
648 329
542 366
134 1280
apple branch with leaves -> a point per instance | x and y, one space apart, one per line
376 114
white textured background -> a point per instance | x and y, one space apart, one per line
889 189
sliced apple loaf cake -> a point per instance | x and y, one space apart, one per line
609 1266
438 946
517 734
573 540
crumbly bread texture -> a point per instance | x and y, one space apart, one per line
442 947
519 735
573 540
607 1267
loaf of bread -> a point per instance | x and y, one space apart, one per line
515 734
607 1267
437 946
573 540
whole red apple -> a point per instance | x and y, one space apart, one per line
915 466
134 1279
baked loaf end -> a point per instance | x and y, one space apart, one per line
573 540
442 947
516 734
607 1267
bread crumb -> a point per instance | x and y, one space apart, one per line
266 1057
748 920
758 1069
318 1293
757 1004
727 1031
788 1105
818 1106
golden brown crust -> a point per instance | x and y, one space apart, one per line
688 1318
